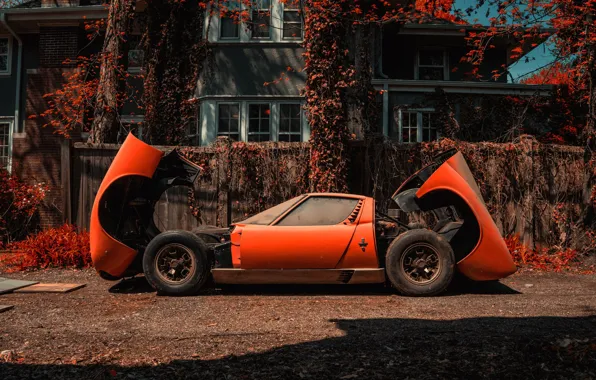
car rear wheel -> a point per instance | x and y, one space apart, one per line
420 263
175 263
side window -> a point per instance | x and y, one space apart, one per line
320 211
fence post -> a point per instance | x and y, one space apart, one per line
65 171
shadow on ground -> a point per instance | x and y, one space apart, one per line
459 286
540 347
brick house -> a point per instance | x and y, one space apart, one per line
409 62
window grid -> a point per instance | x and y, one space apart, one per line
136 54
431 64
292 21
261 20
5 144
259 122
229 24
228 120
290 122
417 126
4 55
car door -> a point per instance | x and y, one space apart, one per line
312 235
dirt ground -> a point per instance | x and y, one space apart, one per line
532 325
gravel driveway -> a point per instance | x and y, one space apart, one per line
532 325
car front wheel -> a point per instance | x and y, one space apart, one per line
420 263
175 263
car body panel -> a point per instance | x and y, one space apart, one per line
490 259
362 252
134 158
306 247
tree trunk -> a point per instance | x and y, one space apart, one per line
114 60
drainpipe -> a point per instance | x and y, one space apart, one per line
18 73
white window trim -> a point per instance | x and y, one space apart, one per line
445 66
248 132
213 19
241 131
8 72
282 22
419 127
209 118
302 117
10 121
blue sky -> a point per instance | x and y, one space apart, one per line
535 59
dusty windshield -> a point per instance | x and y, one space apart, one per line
268 216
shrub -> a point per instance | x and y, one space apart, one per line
19 203
55 247
540 258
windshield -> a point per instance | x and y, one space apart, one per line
268 216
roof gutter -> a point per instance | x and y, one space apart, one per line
18 73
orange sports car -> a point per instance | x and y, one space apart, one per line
319 238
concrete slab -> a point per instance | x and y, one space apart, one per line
50 288
7 285
4 308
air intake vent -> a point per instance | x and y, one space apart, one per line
345 276
354 215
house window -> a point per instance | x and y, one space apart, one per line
417 126
228 121
290 122
292 20
431 64
136 54
259 116
4 55
261 19
132 124
229 20
5 143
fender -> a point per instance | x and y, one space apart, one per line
489 259
122 215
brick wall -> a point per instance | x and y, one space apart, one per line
57 44
36 154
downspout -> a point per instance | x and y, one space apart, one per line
17 106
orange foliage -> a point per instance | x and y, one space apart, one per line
437 9
55 247
540 258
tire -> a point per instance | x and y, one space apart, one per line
428 249
185 254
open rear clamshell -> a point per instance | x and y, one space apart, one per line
447 188
122 215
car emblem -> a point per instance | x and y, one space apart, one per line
363 244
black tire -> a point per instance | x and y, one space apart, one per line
179 248
422 245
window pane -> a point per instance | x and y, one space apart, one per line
3 46
320 211
260 24
229 28
224 125
284 124
4 141
268 216
234 111
431 73
263 4
292 25
3 63
431 57
233 125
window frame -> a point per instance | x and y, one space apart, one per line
445 65
133 119
263 10
135 69
227 134
10 121
419 127
302 116
8 70
283 23
248 132
220 37
283 216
